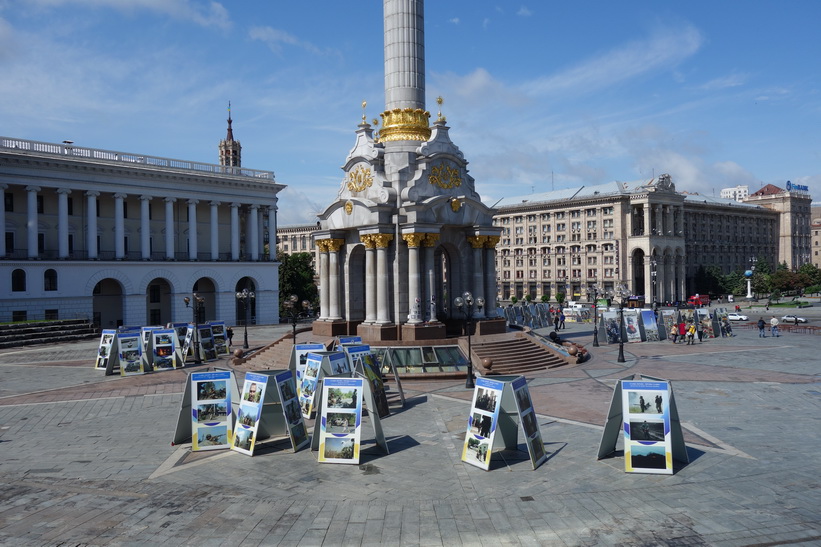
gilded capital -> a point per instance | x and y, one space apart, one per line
406 124
368 240
492 241
334 244
382 240
431 240
413 240
477 242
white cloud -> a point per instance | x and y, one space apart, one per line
454 20
731 80
207 14
664 50
275 39
524 12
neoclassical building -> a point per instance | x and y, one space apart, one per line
407 232
123 237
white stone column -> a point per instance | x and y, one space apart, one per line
490 275
324 280
145 227
646 226
682 281
404 29
91 222
430 267
31 221
119 226
272 231
169 228
215 230
383 311
261 232
658 225
415 304
477 243
193 251
370 278
3 251
235 231
333 278
62 222
253 231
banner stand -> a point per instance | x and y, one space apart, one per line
183 432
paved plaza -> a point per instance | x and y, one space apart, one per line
87 459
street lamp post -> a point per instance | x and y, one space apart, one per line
197 303
245 296
596 290
749 275
622 294
293 313
653 274
468 307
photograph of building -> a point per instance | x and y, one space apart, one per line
123 238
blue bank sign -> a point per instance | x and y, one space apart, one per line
792 187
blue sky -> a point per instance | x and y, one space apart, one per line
538 95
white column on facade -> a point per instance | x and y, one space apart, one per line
680 223
169 228
261 231
430 243
253 232
658 226
145 228
324 308
370 278
490 275
91 208
682 285
3 187
235 231
31 221
62 222
416 307
193 250
646 223
404 33
383 311
333 278
477 243
215 230
272 231
119 226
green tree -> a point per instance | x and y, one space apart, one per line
760 283
812 271
528 298
762 265
545 298
296 276
775 295
513 299
560 298
734 283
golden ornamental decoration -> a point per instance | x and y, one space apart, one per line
492 241
445 177
455 205
477 242
382 240
413 240
349 207
359 179
334 244
431 240
406 124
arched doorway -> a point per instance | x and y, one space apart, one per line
158 302
637 283
205 288
356 274
107 303
246 315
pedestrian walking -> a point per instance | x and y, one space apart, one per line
682 331
561 320
691 334
761 326
229 332
774 326
674 333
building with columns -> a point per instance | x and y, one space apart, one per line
122 238
407 232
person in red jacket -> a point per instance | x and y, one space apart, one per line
682 331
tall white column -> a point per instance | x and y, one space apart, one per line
169 228
404 54
333 278
370 278
215 230
235 231
91 222
324 280
383 311
3 250
62 222
119 226
261 231
193 250
415 304
272 231
430 267
145 228
490 275
478 283
31 221
253 232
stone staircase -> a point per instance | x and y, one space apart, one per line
518 354
274 356
45 332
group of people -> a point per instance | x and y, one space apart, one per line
762 326
558 321
685 332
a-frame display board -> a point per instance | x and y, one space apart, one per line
219 337
499 406
319 364
645 411
338 431
387 361
364 363
206 415
129 353
268 408
185 334
162 349
299 360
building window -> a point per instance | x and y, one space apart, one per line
51 315
154 294
19 316
125 209
18 280
50 280
9 243
8 200
70 206
40 205
41 243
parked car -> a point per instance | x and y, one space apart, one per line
736 317
792 319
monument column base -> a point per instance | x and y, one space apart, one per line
424 331
496 325
331 328
372 332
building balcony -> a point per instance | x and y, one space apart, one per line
53 255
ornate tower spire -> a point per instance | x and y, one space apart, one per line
405 117
230 150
